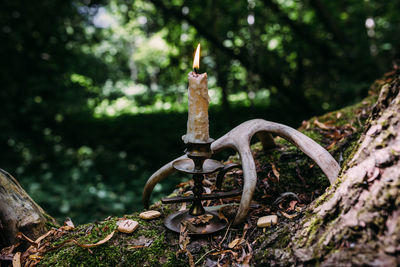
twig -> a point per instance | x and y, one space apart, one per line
223 239
203 256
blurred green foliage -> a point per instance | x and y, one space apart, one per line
93 93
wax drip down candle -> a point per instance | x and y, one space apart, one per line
197 124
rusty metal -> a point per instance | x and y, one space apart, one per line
212 196
173 223
198 164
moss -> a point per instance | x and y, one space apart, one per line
105 255
118 250
157 254
50 221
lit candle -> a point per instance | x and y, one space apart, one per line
197 124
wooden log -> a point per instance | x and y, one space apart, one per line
18 212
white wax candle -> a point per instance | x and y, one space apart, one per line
197 124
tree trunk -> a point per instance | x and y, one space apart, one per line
18 212
357 221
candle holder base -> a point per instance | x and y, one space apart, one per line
173 222
198 164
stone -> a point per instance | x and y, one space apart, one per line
266 221
150 214
127 226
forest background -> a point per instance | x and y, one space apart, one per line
93 93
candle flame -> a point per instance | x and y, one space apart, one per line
196 61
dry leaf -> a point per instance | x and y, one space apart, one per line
225 251
275 171
24 237
201 219
184 238
221 216
183 184
16 261
35 257
183 207
68 222
289 216
234 243
321 125
292 204
188 193
101 242
37 241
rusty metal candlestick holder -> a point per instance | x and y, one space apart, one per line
239 139
198 164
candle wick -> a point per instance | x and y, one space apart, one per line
196 70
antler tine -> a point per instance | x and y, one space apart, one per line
249 183
167 170
157 177
240 137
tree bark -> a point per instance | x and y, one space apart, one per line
18 212
357 221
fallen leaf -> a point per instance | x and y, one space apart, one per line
321 125
292 205
331 145
183 207
234 254
184 238
201 219
305 125
221 216
289 216
37 241
20 235
234 243
275 171
188 193
68 222
101 242
183 184
35 257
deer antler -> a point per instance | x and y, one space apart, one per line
239 139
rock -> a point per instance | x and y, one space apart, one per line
127 226
267 221
150 214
